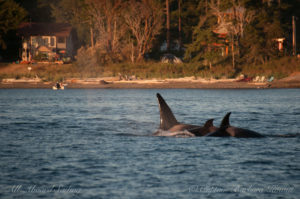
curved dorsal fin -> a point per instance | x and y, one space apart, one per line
225 122
209 123
167 118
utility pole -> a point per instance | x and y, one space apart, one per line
294 36
168 24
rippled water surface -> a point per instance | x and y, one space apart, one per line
98 144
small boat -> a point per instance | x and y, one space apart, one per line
58 86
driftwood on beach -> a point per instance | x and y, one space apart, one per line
188 82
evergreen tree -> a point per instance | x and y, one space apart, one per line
38 10
204 39
190 13
75 13
259 44
11 15
253 28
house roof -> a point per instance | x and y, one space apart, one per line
222 29
46 29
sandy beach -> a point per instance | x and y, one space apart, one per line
292 81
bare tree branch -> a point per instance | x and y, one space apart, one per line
144 19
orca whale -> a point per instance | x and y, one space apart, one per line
169 124
227 130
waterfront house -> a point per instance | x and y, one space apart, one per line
48 42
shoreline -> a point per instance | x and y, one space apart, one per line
151 84
13 76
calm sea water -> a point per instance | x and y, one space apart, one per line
98 144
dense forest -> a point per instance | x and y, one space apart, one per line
235 32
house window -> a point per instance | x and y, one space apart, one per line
34 41
61 40
52 41
46 41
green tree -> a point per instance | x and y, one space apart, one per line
203 45
259 43
189 14
37 10
75 13
251 29
11 15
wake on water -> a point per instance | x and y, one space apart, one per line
186 134
181 134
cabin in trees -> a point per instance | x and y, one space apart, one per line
226 28
46 42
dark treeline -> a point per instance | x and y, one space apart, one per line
213 32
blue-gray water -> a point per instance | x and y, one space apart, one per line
97 144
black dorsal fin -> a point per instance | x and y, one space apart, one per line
225 122
167 118
209 123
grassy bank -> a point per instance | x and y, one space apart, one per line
278 68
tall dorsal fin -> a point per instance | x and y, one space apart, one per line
209 123
167 119
225 122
